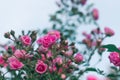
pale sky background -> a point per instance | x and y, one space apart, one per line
34 14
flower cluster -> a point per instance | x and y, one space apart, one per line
52 56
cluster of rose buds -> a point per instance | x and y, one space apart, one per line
53 54
95 38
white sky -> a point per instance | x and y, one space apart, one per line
33 14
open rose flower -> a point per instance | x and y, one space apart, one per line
22 54
26 40
114 58
78 58
56 33
108 31
14 63
41 67
47 40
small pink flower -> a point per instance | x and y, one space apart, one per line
56 33
26 40
20 53
78 58
49 54
63 76
14 63
69 53
58 60
52 68
43 57
95 14
41 67
92 77
47 40
114 58
2 61
43 49
108 31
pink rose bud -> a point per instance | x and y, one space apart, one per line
69 53
92 77
108 31
2 61
95 14
83 2
49 54
59 60
78 58
14 63
63 76
41 67
26 40
114 58
56 33
43 57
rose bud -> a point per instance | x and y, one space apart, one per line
95 14
78 58
63 76
83 2
108 31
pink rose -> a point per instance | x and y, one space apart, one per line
56 33
47 40
41 67
22 54
26 40
78 58
95 14
58 60
114 58
14 63
52 68
69 53
43 57
108 31
2 61
92 77
63 76
49 54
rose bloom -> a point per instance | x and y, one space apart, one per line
114 58
95 14
92 77
108 31
22 54
41 67
26 40
78 58
14 63
47 40
56 33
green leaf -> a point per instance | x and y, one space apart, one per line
111 48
